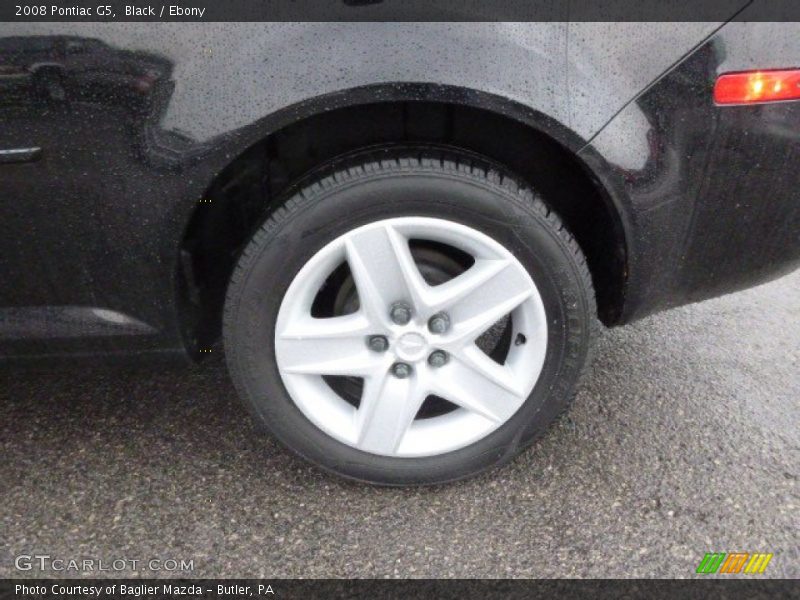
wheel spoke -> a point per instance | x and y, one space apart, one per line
408 339
384 271
473 279
467 331
500 375
477 383
388 407
332 346
487 296
415 284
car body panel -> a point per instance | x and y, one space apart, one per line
134 121
712 192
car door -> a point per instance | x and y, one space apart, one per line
72 113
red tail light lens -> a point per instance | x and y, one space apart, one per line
757 86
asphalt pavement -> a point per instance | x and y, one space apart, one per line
684 439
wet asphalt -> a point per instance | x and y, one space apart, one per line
684 438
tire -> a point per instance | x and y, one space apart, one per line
395 189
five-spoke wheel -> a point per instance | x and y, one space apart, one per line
410 340
411 317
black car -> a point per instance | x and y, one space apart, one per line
406 234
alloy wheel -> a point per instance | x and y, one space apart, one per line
409 340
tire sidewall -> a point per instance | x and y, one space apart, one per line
320 214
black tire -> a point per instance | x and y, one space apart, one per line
402 183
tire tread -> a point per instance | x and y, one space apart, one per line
378 163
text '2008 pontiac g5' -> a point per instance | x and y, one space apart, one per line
406 234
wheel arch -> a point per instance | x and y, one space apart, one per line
258 165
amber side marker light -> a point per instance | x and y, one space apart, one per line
752 87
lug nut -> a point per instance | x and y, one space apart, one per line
439 323
438 358
400 313
378 343
401 370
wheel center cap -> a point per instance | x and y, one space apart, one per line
411 346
